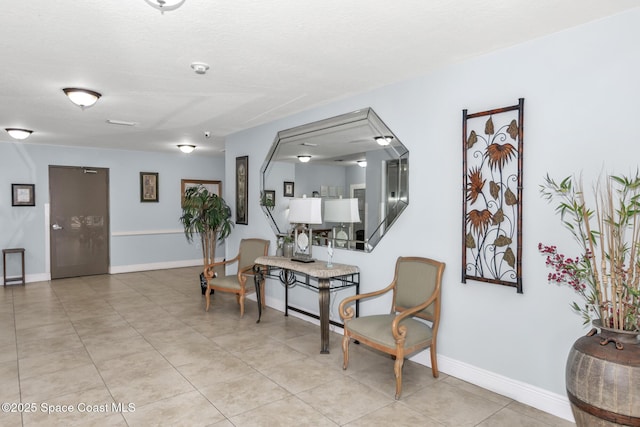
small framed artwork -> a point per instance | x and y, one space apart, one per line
242 190
269 199
23 194
211 186
148 186
288 189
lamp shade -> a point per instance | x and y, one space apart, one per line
305 211
341 210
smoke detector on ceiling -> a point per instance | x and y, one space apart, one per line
200 67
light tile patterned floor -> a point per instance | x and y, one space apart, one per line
138 349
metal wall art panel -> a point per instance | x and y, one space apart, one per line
492 196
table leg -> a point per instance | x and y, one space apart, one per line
286 292
323 300
257 281
23 272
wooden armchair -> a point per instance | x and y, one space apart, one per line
416 293
249 250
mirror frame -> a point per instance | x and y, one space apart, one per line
396 152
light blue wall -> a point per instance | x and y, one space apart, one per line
25 226
581 89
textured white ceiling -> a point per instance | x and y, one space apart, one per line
269 59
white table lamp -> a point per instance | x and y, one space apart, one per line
342 211
304 211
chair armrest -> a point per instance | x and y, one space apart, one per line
209 268
243 273
347 313
400 331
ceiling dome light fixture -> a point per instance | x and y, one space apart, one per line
165 5
83 98
304 159
186 148
362 163
17 133
383 140
199 67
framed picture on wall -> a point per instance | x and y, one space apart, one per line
242 190
148 186
269 199
23 194
211 186
288 189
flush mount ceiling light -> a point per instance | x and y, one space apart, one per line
304 159
383 140
83 98
362 163
199 67
17 133
165 5
186 148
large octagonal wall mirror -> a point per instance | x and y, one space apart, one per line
345 160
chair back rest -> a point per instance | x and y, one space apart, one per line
417 279
250 249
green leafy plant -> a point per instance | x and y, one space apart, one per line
267 202
205 214
607 273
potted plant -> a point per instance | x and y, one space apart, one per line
206 214
606 274
267 200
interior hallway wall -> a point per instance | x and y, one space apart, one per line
580 88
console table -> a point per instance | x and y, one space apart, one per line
342 275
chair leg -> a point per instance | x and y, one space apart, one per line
397 369
207 297
345 351
241 301
434 361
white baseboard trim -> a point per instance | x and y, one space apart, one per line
44 277
29 278
528 394
154 266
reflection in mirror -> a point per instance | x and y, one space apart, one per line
354 157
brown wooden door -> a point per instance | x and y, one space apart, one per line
79 221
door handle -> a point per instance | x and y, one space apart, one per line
56 227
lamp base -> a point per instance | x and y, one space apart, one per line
341 236
303 260
302 257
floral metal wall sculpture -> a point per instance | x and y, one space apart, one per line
492 199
